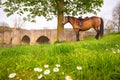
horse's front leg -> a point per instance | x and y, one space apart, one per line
77 36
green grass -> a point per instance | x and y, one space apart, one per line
99 59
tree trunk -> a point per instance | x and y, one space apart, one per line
60 19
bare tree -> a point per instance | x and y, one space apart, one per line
116 16
110 25
19 22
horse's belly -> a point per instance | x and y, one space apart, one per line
86 26
83 29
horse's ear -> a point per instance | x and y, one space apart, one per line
68 16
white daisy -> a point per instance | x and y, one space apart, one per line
40 76
57 65
46 72
79 68
46 66
56 69
12 75
68 78
37 69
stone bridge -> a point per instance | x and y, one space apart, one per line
33 36
20 36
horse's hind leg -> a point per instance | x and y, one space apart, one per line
97 35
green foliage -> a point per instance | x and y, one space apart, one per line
99 59
49 8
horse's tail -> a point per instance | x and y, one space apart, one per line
101 27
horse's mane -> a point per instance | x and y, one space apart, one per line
72 17
82 18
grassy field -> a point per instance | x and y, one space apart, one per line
84 60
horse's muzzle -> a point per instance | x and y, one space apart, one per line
62 23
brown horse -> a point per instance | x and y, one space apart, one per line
80 24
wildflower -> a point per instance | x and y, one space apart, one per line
112 48
63 73
114 51
68 78
37 69
40 76
57 65
117 45
106 49
46 72
46 66
56 69
79 68
12 75
118 51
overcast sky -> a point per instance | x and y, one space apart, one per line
106 12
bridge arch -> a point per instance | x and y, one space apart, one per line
42 39
25 39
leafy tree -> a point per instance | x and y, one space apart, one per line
51 8
0 3
116 15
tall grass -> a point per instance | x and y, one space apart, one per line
99 59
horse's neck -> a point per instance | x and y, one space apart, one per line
73 21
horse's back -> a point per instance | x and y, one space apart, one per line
91 22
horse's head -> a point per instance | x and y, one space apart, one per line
66 20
